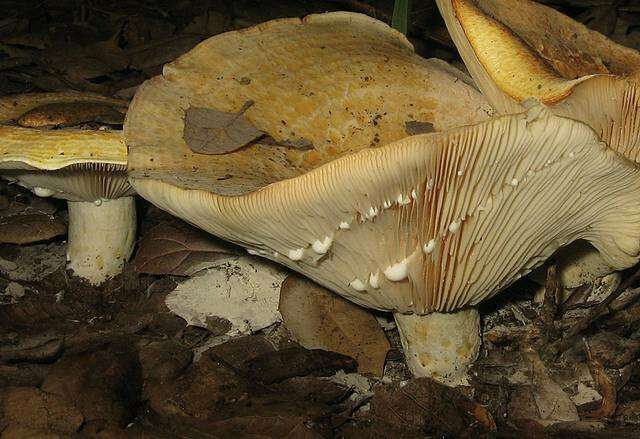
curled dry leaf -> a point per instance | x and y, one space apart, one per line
70 114
319 319
211 131
178 249
25 229
607 406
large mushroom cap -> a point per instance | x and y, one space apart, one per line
518 49
339 82
431 222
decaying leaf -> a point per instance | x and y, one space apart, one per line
542 399
176 248
25 229
319 319
277 366
211 131
414 127
606 407
425 405
70 114
242 290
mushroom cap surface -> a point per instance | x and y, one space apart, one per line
519 49
340 82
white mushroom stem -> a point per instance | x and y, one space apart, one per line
101 237
440 345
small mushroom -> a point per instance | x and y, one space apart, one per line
518 49
88 169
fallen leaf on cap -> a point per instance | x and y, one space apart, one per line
319 319
211 131
414 127
177 248
25 229
66 114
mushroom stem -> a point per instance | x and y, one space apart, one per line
441 345
101 237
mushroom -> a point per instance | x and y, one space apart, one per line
519 49
88 169
425 227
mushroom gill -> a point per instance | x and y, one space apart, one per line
518 49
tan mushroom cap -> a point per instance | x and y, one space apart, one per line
433 222
76 165
342 81
14 106
518 49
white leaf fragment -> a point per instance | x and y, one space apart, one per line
243 290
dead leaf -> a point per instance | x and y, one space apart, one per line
319 319
265 427
25 229
414 127
606 407
178 249
277 366
69 114
30 407
546 401
425 405
39 348
81 62
244 291
211 131
161 51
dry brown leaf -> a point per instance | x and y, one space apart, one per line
210 131
425 405
413 127
605 386
69 114
78 62
542 398
319 319
160 52
179 249
266 427
25 229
